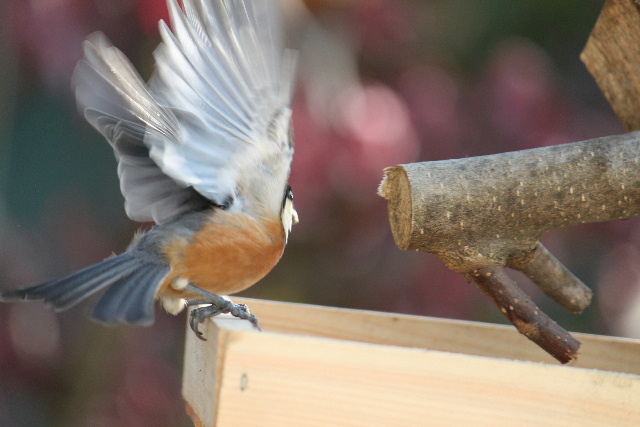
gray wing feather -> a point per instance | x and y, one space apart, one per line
220 93
150 195
124 276
225 74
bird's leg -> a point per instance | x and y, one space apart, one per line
214 305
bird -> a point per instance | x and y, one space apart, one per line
203 150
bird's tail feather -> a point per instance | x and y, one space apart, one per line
131 300
131 287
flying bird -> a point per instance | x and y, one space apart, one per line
204 150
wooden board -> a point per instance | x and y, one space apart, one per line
476 338
612 55
318 366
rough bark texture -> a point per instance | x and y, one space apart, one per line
554 279
481 214
611 55
524 314
488 210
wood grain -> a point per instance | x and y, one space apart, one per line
432 333
316 366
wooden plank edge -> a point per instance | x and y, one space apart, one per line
274 378
458 336
203 362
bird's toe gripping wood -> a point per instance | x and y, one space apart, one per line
212 305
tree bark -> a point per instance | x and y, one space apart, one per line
488 210
611 55
528 319
483 213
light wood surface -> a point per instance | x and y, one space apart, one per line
319 366
458 336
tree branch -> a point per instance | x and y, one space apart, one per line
611 55
485 212
554 279
524 314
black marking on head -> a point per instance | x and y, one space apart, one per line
288 195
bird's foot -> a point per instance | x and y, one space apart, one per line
212 306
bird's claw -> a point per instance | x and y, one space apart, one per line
199 315
213 307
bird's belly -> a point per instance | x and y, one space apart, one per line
225 257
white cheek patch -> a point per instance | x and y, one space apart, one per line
288 217
173 305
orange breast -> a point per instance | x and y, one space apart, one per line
229 254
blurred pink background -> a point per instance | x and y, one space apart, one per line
382 82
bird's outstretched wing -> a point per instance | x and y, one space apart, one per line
213 120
